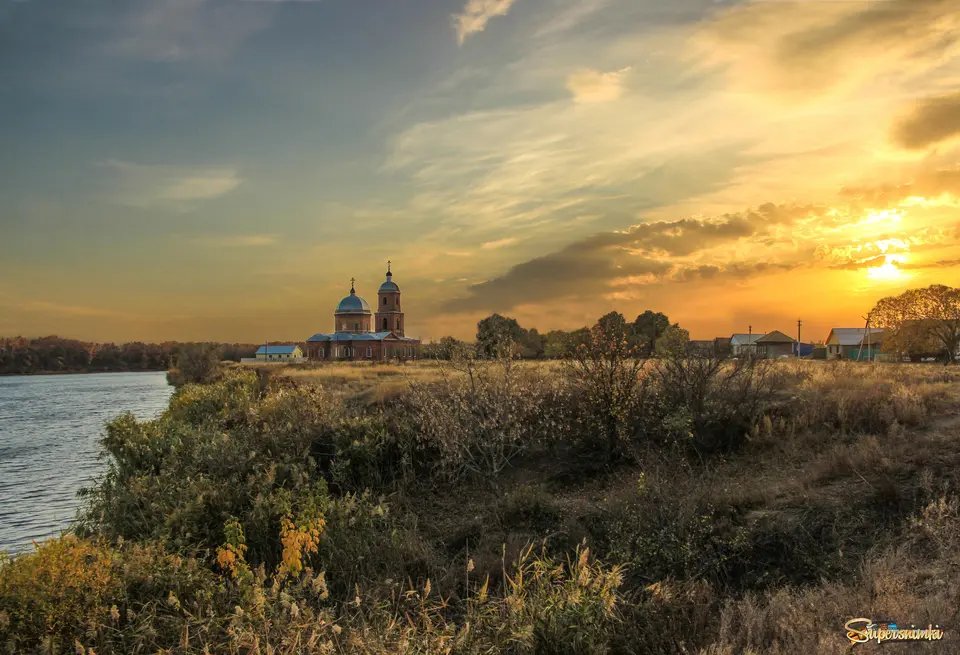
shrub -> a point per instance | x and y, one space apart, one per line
195 364
364 543
609 383
217 454
714 402
57 594
867 399
478 424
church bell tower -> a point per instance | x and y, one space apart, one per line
389 317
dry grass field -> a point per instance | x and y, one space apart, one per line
684 506
374 382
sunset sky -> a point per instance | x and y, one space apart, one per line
220 169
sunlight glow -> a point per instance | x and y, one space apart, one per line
890 270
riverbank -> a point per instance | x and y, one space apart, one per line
752 507
84 372
54 355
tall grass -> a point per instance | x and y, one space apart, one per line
752 507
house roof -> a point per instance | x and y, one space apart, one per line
776 337
359 336
851 336
276 350
744 339
876 336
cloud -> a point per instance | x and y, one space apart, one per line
869 262
943 263
596 265
145 186
588 85
573 15
476 14
201 31
500 243
64 310
930 121
238 241
800 49
768 239
735 270
928 184
571 272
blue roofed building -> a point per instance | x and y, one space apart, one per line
360 334
279 354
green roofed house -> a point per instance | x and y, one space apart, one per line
279 354
854 343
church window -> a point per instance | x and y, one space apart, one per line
356 326
384 324
369 351
398 323
321 353
384 300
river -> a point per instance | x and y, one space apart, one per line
50 427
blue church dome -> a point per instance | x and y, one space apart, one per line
389 285
353 304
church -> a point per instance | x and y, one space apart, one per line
362 335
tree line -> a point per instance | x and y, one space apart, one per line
499 335
53 354
916 324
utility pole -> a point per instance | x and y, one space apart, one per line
799 323
866 330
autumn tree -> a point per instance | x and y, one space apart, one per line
533 344
674 342
921 316
498 335
646 329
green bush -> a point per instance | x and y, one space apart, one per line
217 453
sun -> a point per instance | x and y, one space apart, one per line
890 270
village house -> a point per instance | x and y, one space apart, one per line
361 334
854 343
744 345
775 344
279 354
770 345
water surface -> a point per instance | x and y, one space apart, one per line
50 427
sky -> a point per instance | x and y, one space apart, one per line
220 169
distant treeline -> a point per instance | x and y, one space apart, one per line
498 334
22 356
